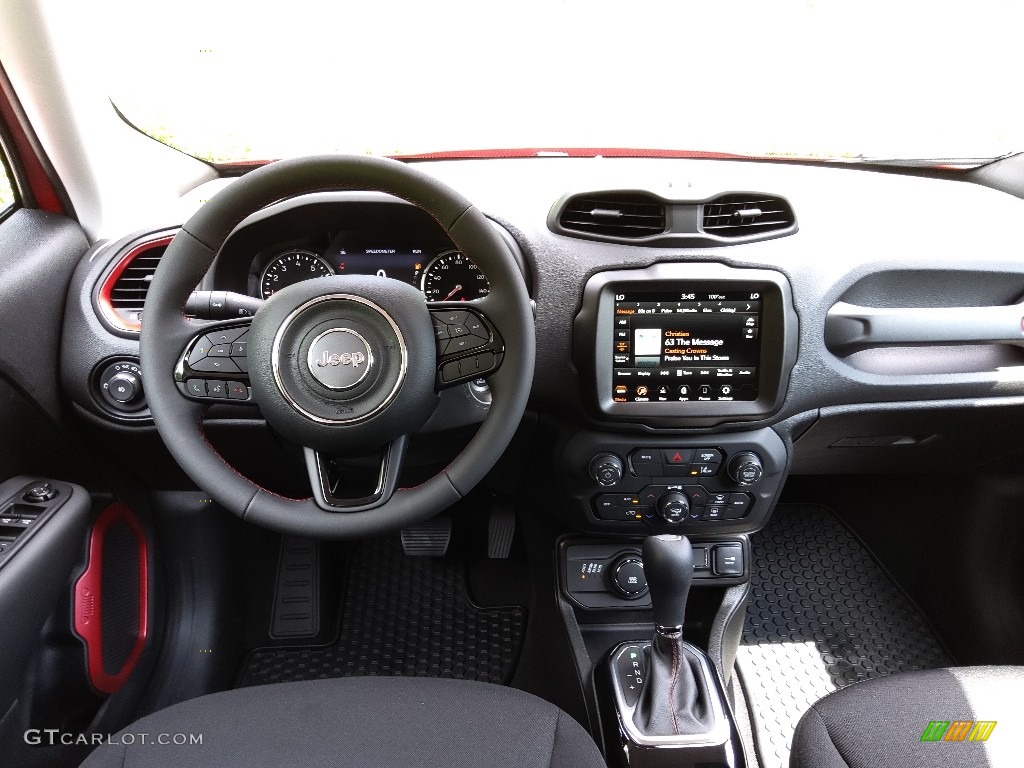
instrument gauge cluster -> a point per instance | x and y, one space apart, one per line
442 274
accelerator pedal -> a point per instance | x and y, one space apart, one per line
501 529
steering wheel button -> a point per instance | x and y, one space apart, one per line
450 371
476 326
457 330
215 365
440 331
196 387
484 362
200 350
220 350
453 317
242 363
226 335
464 343
238 349
216 388
237 390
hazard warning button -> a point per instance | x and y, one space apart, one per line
676 461
674 457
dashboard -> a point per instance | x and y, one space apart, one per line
666 358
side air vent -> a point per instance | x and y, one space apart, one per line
746 215
619 215
122 292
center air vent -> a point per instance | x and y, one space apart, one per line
746 215
619 215
122 293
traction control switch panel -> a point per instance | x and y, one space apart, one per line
612 575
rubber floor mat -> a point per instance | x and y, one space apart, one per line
822 614
407 616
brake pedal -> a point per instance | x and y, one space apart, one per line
429 538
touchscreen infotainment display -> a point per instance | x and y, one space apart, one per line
672 347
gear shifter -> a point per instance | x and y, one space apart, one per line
668 567
675 699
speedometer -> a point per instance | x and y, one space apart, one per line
289 268
452 276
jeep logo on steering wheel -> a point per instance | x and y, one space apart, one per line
345 358
339 358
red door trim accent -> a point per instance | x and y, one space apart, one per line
88 610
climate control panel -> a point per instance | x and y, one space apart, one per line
722 483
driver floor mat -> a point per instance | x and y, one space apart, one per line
407 616
822 614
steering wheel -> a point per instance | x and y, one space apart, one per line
341 365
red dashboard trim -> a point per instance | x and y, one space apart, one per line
88 608
103 299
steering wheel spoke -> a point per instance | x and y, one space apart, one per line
336 490
468 344
214 365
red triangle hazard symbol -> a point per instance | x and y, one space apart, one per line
677 459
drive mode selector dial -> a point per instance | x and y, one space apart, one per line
627 576
673 506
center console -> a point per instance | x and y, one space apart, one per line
676 347
677 360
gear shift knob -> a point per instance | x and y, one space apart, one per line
668 567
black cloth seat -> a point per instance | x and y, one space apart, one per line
881 723
408 722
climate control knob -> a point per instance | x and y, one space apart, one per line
745 468
606 469
673 506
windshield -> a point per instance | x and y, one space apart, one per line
810 78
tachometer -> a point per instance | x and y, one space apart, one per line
289 268
452 276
